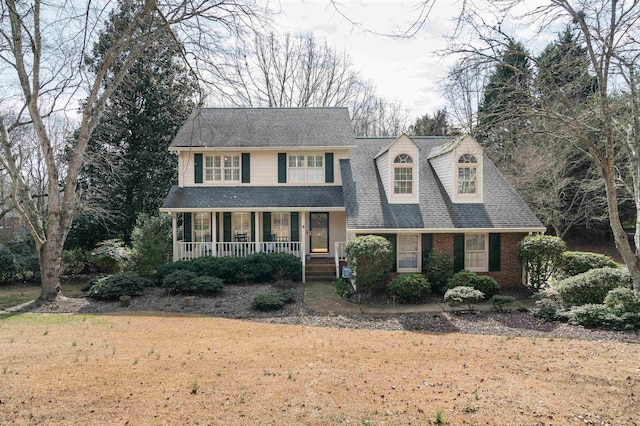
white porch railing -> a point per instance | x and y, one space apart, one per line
190 250
339 255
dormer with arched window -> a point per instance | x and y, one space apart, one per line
398 165
458 166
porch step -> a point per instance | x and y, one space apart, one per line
321 277
321 269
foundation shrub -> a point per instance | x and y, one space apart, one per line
370 257
438 269
487 285
409 288
540 257
343 288
204 285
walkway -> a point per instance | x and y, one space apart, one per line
321 297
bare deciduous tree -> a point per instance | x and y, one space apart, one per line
43 45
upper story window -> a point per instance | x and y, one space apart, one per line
467 174
219 168
403 174
306 168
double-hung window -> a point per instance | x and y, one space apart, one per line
467 174
403 175
408 253
241 226
280 225
475 252
201 227
306 168
222 168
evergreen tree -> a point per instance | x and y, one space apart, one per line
129 169
505 103
438 125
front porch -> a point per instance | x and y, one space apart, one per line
305 234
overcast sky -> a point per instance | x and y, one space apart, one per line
405 69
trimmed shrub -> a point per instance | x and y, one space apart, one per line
178 281
487 285
463 295
268 302
288 296
499 302
623 300
8 265
540 256
547 309
114 286
594 315
370 257
285 267
591 286
438 268
258 268
409 288
181 265
205 285
151 241
343 287
574 263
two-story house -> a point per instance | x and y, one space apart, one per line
296 180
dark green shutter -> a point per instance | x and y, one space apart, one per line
197 168
246 167
328 167
253 226
393 239
282 167
494 252
427 248
458 252
217 227
226 226
186 226
266 226
295 225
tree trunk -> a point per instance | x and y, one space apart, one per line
50 256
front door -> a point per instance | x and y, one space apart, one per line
319 232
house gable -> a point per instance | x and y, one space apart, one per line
458 165
398 165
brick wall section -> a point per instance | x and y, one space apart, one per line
510 274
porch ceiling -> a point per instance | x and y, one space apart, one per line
253 197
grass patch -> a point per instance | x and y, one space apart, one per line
19 293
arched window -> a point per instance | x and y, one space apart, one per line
403 174
467 174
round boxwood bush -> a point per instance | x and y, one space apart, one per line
409 288
594 315
591 286
463 295
268 302
623 300
114 286
205 285
487 285
288 296
574 263
178 281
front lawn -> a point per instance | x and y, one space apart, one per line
17 293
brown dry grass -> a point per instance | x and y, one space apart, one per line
153 369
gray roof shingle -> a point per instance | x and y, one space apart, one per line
266 127
229 197
368 208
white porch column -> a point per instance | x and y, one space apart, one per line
174 228
303 244
257 228
214 235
